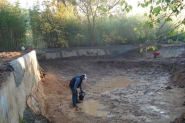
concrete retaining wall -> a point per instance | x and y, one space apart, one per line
14 91
83 51
172 51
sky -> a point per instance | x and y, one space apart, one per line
26 3
30 3
135 8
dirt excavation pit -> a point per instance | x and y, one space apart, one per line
116 91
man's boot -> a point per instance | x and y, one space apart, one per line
78 101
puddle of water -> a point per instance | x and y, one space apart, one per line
154 108
92 107
110 83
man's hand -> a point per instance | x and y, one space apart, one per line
74 91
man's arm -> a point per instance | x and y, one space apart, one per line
81 88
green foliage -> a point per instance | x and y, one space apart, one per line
13 25
20 119
112 37
94 9
153 48
52 25
122 30
88 23
35 25
167 11
59 24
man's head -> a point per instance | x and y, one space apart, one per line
84 76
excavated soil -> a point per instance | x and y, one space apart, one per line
117 90
130 88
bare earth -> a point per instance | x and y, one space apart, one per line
125 89
117 90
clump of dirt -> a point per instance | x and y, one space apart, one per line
30 117
183 54
178 75
6 56
181 119
178 79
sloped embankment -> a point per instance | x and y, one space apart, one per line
22 78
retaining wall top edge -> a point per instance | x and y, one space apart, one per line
76 48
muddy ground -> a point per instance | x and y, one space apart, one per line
117 90
129 88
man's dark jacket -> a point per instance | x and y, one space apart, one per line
76 82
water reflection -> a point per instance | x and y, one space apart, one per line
92 107
110 83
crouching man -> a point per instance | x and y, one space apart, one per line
74 84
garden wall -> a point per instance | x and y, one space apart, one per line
57 53
23 77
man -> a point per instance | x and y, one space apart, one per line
74 84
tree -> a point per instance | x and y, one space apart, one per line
12 26
35 24
55 24
93 9
166 10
